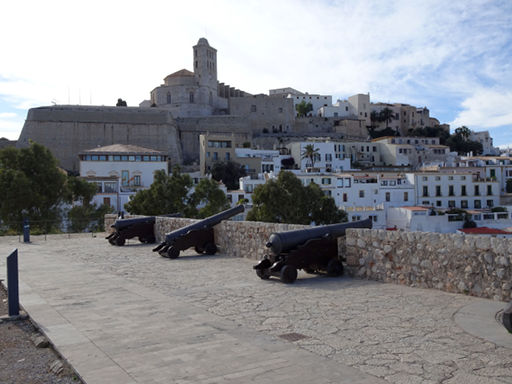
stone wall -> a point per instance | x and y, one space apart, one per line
474 265
68 130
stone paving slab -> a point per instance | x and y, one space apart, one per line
113 330
210 319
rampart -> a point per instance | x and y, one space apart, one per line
474 265
68 130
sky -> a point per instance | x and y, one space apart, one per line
454 57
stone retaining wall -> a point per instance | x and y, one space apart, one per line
474 265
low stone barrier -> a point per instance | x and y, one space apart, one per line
474 265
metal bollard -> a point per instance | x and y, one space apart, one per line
12 284
26 231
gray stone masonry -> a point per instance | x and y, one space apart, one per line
474 265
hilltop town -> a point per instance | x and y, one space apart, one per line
391 162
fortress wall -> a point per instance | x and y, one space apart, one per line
67 132
475 265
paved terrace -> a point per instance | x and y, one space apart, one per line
126 315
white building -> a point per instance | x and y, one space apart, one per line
120 171
485 139
329 158
457 188
425 219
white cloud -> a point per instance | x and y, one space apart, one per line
486 108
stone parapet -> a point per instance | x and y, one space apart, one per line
474 265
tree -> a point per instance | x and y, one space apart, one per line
207 192
229 173
32 186
121 103
172 194
286 200
167 194
459 142
311 153
303 108
386 115
84 215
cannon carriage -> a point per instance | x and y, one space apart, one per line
141 227
198 235
315 250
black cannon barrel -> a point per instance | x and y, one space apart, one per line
284 241
123 223
205 223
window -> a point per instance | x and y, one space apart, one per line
450 177
438 190
106 201
463 177
326 180
136 180
424 178
345 197
131 158
425 190
388 196
328 157
215 155
463 203
169 99
347 182
110 187
477 190
374 148
450 191
253 108
191 97
94 157
438 178
478 203
124 178
463 190
490 203
489 190
138 158
406 196
451 203
361 193
227 156
439 203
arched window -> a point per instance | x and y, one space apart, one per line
211 98
191 97
169 98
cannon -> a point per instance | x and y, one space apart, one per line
141 227
198 235
315 250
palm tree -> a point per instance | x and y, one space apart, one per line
386 115
310 152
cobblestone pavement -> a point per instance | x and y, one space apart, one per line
400 334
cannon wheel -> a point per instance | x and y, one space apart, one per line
263 274
334 268
210 249
112 241
288 274
198 249
173 253
120 241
